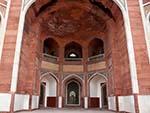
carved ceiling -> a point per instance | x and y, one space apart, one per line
67 21
63 18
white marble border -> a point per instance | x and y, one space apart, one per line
35 102
126 103
5 101
112 103
21 102
144 103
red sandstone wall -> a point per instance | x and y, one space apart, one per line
141 55
29 71
6 64
119 81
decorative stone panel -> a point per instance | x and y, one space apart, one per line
97 72
97 66
78 74
50 66
73 68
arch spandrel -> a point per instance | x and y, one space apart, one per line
27 3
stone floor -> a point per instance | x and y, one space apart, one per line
68 111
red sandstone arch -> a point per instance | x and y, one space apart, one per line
35 30
73 47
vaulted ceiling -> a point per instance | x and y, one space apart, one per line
66 17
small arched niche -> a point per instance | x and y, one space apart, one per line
73 51
51 47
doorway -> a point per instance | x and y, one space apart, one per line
73 94
42 95
104 95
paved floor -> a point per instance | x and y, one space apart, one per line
69 111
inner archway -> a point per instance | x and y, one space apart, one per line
78 23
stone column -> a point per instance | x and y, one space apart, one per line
60 85
85 69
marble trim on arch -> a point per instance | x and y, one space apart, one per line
25 2
131 53
144 20
4 11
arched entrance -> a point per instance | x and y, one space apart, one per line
42 94
72 91
104 100
48 91
93 20
98 92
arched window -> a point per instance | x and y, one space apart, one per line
73 55
50 47
96 49
73 50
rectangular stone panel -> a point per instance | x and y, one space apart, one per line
73 68
97 66
50 66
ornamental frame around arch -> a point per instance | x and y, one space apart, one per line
97 74
132 64
72 76
49 74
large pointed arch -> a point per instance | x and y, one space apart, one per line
128 37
